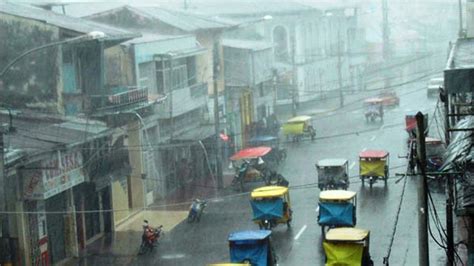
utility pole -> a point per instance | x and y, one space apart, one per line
171 88
294 80
423 249
216 116
385 30
460 33
449 187
4 228
275 77
339 66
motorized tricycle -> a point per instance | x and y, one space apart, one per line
410 127
333 174
299 127
252 247
435 148
249 166
373 109
336 208
373 165
277 154
271 206
347 246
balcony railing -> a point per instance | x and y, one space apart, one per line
120 98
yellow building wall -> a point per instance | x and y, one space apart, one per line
136 161
119 202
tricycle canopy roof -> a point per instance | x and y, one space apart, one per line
331 162
373 154
374 100
269 192
251 153
429 140
337 195
263 138
249 235
229 264
299 119
347 234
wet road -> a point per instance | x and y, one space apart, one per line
341 134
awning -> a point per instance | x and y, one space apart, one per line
195 134
458 151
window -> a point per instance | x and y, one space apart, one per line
183 75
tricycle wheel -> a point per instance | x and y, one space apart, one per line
323 232
371 182
363 181
288 224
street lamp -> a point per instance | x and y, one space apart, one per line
93 35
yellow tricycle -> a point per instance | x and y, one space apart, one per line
271 206
299 127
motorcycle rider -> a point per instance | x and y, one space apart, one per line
148 232
195 207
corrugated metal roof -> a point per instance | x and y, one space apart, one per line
247 44
34 136
148 37
184 20
459 149
249 7
463 56
65 22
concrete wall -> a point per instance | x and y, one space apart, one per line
136 162
35 80
119 201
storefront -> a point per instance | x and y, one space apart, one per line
48 195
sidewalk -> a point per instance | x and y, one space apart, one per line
122 245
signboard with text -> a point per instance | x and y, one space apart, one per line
54 175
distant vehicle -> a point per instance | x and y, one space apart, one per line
433 87
373 109
389 98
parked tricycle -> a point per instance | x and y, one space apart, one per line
271 206
252 247
277 154
373 165
333 174
347 246
249 166
336 208
373 109
435 149
299 127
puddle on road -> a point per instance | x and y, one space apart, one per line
173 256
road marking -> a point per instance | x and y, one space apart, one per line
300 232
352 165
364 149
372 138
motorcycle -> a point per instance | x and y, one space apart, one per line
196 210
150 237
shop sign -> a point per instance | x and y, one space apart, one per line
55 175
